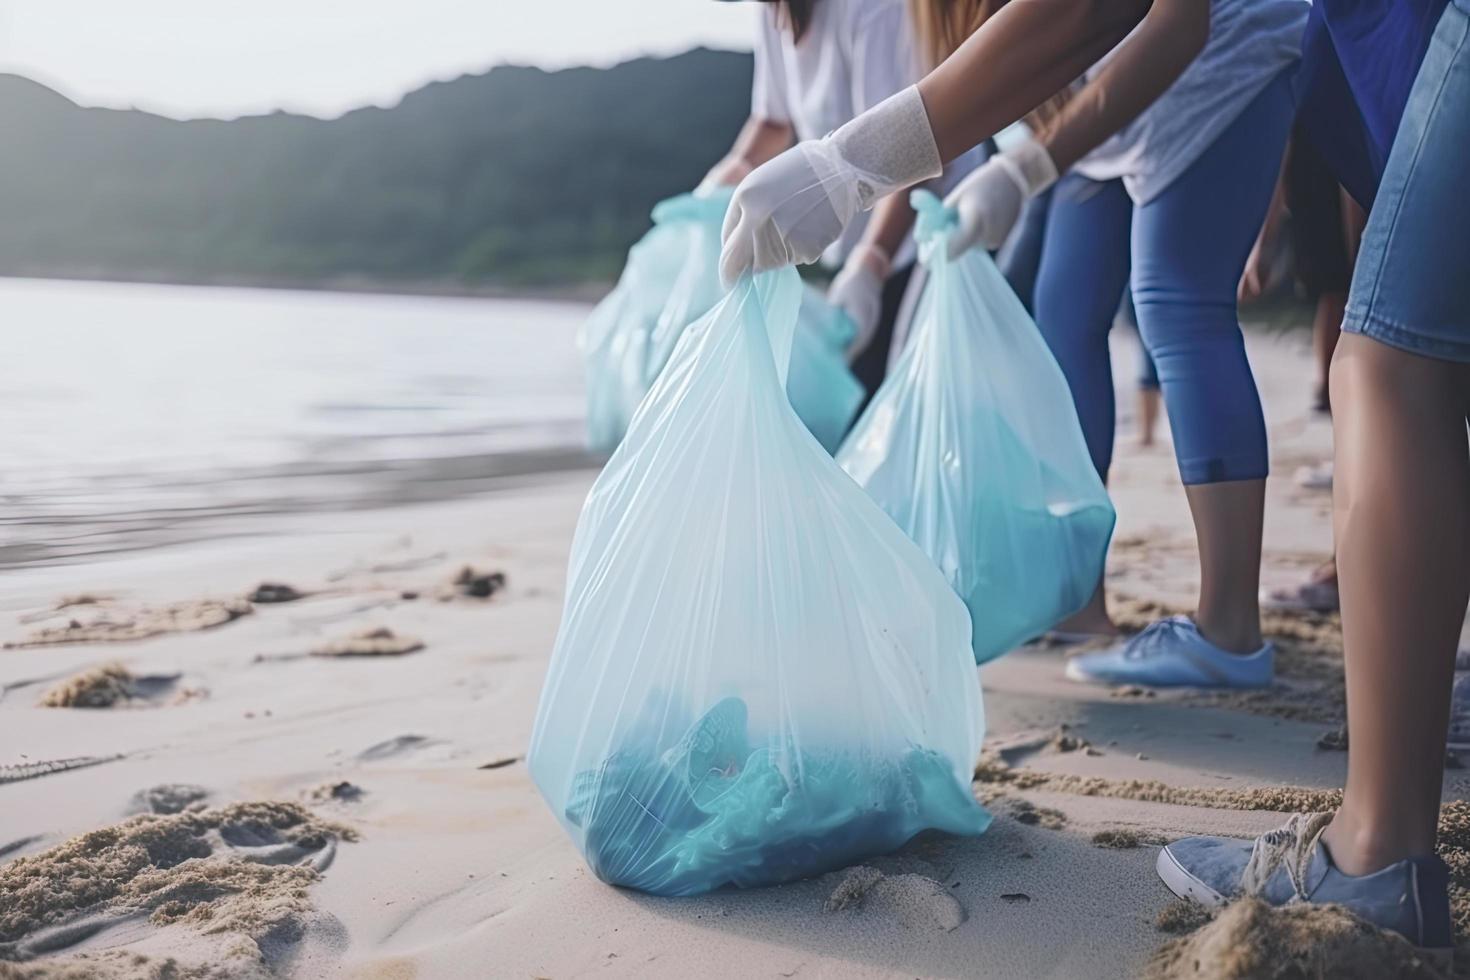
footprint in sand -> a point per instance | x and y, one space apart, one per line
914 901
168 798
239 874
399 745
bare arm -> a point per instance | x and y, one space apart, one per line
1032 49
758 141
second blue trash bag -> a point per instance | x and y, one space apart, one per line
973 446
672 279
758 677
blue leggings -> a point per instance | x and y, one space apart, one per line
1188 247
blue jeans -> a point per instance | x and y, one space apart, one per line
1188 247
1411 287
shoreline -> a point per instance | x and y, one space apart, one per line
571 292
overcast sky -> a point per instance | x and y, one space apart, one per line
228 57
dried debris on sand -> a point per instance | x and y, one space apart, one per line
100 687
113 623
1281 799
913 900
1250 939
377 642
241 871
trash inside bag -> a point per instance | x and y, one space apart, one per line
671 280
757 677
973 446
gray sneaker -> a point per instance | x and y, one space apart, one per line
1289 865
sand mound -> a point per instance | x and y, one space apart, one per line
121 965
379 642
1249 939
914 901
168 798
1182 916
240 871
1280 799
1454 847
100 687
116 624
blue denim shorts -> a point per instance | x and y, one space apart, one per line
1411 287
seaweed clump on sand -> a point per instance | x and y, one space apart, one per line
1249 939
100 687
241 870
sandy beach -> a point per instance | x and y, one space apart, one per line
343 792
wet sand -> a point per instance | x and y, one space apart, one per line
328 779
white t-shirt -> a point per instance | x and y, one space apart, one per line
854 54
1251 42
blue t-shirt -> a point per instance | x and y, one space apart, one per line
1359 62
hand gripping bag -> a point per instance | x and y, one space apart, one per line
757 677
973 446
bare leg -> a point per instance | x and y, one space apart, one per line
1228 520
1091 618
1326 328
1149 400
1401 503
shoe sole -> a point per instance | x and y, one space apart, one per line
1075 673
1187 886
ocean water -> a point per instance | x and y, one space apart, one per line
134 415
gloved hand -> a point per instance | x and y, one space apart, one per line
793 206
989 200
858 292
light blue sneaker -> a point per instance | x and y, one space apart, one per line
1291 865
1173 653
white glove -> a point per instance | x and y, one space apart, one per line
858 292
793 206
989 200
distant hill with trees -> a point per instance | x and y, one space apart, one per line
512 178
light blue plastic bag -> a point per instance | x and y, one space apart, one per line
757 677
670 281
972 445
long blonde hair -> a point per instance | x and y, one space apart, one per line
941 26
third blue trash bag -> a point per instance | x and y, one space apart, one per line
671 280
757 677
973 446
